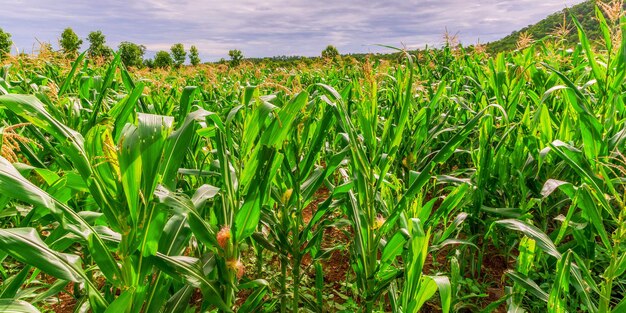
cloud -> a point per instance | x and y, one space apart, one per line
273 27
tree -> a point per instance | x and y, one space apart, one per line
235 57
97 47
131 54
330 52
70 43
194 58
5 43
178 54
149 63
162 59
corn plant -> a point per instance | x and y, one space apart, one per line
378 240
122 183
299 179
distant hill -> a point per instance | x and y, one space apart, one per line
584 12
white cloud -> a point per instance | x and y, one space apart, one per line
273 27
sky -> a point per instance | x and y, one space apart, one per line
271 27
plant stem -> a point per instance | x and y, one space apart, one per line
609 274
283 285
259 260
228 291
296 286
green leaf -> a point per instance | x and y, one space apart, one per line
427 289
123 110
281 126
190 271
102 93
528 285
32 110
70 76
186 99
552 184
393 248
458 220
122 303
177 145
13 183
560 288
255 300
16 306
11 286
248 217
584 41
184 206
445 291
446 151
179 302
25 245
533 233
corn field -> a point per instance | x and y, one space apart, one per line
448 181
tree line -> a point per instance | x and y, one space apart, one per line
132 54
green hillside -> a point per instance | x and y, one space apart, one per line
584 13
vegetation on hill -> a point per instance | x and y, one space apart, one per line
584 13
